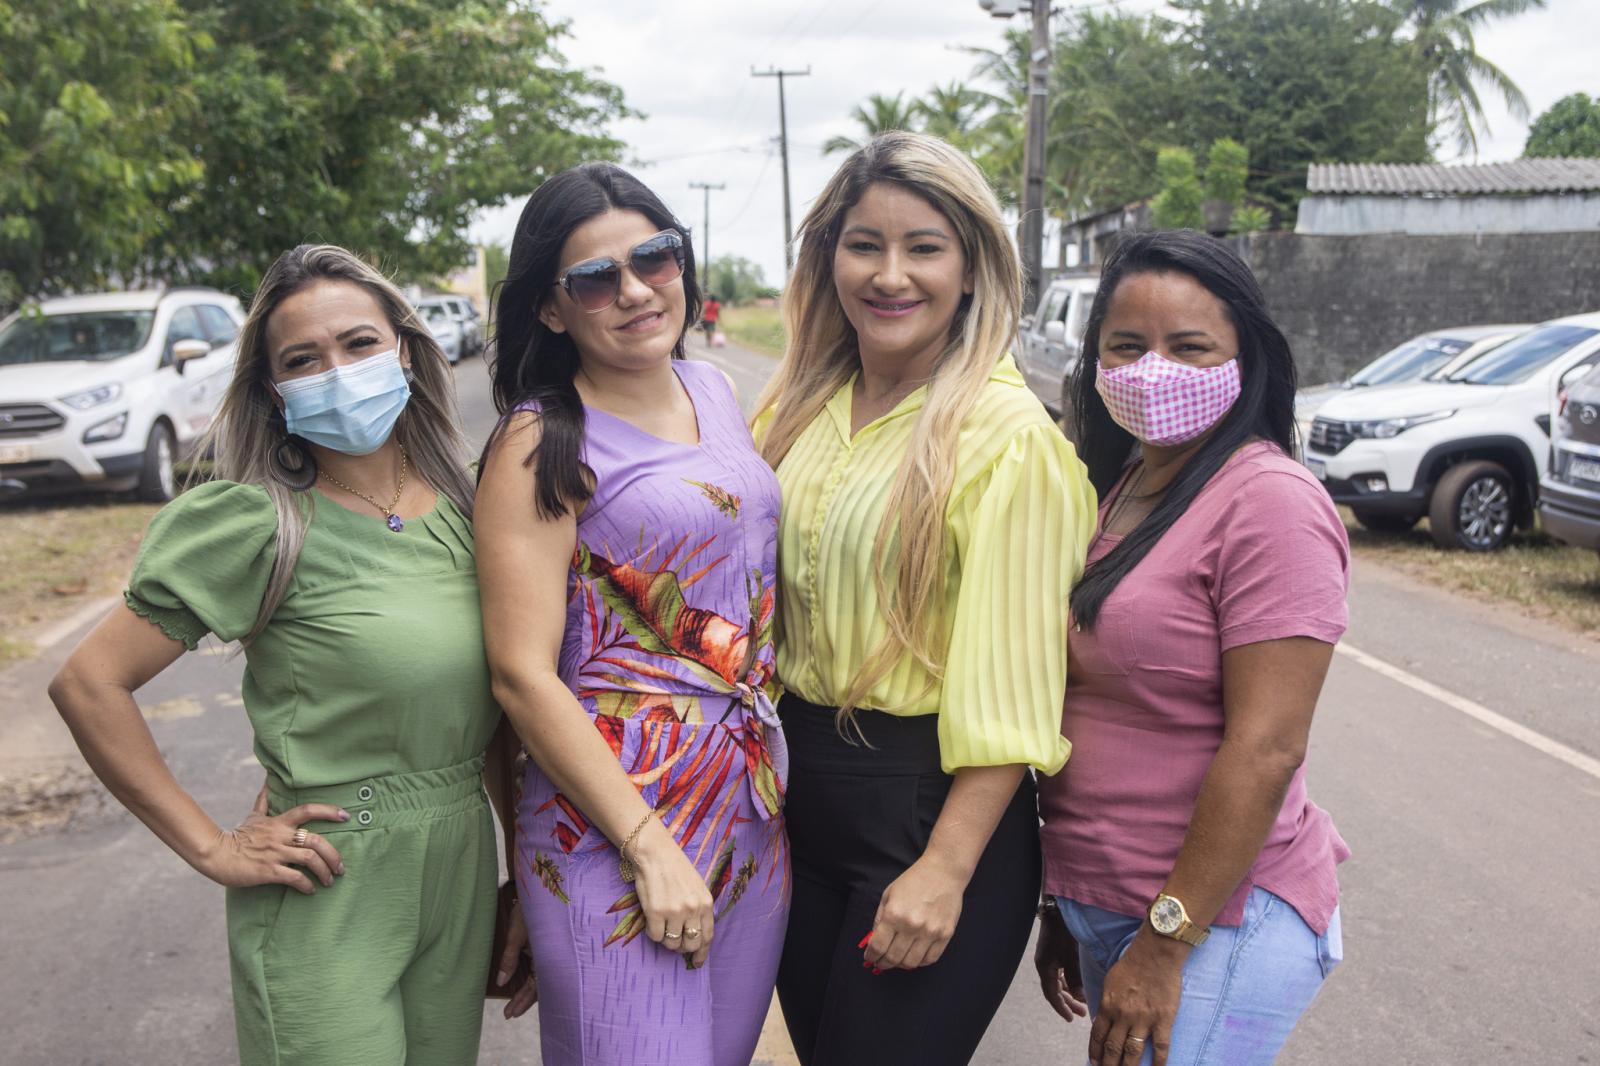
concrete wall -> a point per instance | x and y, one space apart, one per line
1345 300
1346 215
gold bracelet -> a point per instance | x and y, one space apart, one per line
625 868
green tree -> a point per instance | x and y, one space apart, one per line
954 113
93 96
381 125
1227 171
1251 218
1300 81
1118 94
1443 42
878 115
1570 128
1178 204
735 279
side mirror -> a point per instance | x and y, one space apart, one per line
184 351
1055 331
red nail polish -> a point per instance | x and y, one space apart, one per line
865 940
876 972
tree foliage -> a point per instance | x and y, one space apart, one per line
1227 171
878 115
195 140
736 280
1179 203
1445 49
1571 127
94 95
1291 82
1299 82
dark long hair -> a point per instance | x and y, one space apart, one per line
532 362
1264 409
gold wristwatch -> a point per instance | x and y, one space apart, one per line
1168 917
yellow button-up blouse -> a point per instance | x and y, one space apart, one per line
1018 523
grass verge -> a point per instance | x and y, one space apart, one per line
759 329
1538 576
55 555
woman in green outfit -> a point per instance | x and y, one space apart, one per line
336 547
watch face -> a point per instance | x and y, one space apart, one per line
1167 915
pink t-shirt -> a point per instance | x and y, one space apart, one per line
1260 555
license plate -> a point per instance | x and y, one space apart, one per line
15 453
1587 469
1318 468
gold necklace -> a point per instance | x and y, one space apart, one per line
395 523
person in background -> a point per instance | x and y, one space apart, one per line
709 315
934 520
1191 897
336 547
626 539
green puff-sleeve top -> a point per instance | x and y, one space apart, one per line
373 664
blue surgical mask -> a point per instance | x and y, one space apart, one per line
350 409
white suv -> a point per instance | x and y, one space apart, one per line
108 391
1467 451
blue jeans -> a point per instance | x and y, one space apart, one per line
1243 989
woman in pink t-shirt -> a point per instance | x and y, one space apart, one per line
1191 902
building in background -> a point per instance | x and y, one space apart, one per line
1433 199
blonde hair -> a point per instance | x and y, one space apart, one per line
250 440
822 353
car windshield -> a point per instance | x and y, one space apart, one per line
435 313
1522 357
1413 360
95 336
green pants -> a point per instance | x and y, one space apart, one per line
388 965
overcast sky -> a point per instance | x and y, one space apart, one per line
686 64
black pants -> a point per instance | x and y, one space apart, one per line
857 818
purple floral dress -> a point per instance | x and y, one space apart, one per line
668 646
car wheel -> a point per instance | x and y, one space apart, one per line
1384 523
158 482
1472 507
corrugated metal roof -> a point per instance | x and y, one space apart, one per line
1438 179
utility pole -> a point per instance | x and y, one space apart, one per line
1031 226
705 238
783 147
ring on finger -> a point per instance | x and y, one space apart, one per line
671 936
300 837
691 934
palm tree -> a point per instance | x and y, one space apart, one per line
1442 36
953 113
878 115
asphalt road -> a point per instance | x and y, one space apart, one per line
1469 907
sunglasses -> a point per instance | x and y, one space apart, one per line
594 284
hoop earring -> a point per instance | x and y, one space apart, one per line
292 464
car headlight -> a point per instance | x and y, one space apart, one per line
110 429
1384 428
82 401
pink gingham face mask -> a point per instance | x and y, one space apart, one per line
1162 402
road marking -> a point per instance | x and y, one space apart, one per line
1515 730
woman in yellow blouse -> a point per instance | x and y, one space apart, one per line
933 523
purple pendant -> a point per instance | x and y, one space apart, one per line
395 525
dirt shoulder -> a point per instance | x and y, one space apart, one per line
58 556
1536 575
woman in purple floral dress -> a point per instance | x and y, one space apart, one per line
626 541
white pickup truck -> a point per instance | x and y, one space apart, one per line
108 391
1466 451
